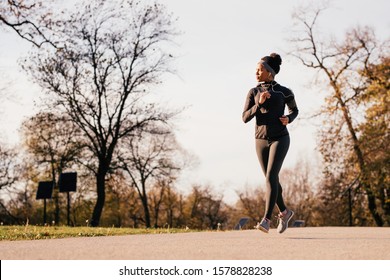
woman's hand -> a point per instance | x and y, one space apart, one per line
284 119
264 96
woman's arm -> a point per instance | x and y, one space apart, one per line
250 107
292 108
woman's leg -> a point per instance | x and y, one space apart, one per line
279 200
277 152
262 151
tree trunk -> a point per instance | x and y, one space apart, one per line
56 194
170 217
156 218
146 210
101 196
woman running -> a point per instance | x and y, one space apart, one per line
267 102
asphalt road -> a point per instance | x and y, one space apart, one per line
321 243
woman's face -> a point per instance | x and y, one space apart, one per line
262 75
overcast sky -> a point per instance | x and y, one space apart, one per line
221 43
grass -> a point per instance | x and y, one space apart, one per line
31 232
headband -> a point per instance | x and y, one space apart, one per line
269 68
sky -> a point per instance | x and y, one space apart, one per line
217 53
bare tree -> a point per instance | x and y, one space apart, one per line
340 64
114 51
148 159
30 19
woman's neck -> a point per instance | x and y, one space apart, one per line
267 82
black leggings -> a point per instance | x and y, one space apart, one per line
271 155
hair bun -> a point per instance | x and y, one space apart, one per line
273 61
276 58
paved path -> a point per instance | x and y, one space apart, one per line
322 243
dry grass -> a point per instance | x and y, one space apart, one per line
31 232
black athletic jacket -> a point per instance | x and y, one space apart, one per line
268 125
